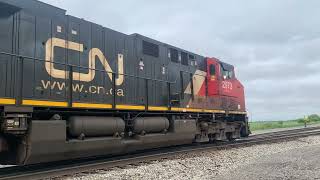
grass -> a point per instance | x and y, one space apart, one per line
264 125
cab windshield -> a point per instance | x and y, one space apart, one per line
227 71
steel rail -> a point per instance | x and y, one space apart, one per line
285 131
48 170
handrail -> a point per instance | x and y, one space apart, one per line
71 67
83 67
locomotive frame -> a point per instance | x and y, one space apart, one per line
72 88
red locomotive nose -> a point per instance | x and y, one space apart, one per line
222 82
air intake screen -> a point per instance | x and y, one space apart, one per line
174 55
184 58
150 49
7 10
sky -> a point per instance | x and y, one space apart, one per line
273 44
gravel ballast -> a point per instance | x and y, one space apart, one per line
214 164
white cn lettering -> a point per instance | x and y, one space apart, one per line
93 54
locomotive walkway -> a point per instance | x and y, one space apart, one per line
86 165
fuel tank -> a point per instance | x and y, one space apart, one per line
90 126
151 124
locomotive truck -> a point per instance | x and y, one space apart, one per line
72 88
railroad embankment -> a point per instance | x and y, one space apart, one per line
222 164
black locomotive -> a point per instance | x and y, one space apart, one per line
71 88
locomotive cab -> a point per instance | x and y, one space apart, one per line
226 91
222 82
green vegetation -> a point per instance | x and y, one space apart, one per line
264 125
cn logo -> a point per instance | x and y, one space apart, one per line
93 54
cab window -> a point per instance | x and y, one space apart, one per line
150 49
184 59
227 74
212 70
174 55
227 71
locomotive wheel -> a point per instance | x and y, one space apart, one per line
244 132
230 136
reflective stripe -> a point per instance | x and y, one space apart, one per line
129 107
158 108
109 106
178 109
205 110
8 101
44 103
193 110
237 112
85 105
214 111
186 109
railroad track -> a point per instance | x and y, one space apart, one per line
84 165
288 131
